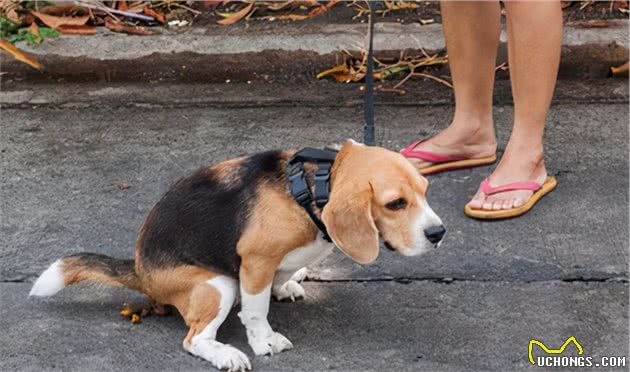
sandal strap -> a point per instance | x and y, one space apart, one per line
431 157
514 186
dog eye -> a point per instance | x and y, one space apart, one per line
396 204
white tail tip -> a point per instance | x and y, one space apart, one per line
50 282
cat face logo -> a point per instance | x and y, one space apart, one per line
553 351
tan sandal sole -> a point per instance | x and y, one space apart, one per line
457 165
548 186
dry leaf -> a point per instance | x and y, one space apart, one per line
339 69
9 10
19 55
590 24
322 8
155 14
618 70
58 10
77 30
135 319
56 21
235 17
291 17
35 31
121 27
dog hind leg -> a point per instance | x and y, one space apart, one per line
209 305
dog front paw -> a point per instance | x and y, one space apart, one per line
273 344
291 289
300 275
222 356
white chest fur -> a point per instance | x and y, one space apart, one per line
307 255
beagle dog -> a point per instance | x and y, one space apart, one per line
234 228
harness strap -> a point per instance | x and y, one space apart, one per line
298 185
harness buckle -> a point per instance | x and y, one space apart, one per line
321 179
299 188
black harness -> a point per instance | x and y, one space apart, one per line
299 188
298 184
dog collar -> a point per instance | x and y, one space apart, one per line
299 188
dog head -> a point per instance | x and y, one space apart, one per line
377 194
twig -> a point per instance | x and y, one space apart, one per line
196 12
434 78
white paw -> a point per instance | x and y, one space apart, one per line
273 344
222 356
300 275
290 289
232 359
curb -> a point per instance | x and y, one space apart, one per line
248 51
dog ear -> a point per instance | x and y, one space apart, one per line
348 219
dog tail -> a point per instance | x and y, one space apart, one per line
86 267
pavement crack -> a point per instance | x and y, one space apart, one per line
449 280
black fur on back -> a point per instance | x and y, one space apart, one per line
201 218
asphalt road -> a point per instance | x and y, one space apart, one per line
559 271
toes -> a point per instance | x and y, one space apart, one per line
300 275
497 205
518 202
477 201
507 204
289 290
487 205
280 343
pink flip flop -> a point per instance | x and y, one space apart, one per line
539 190
443 163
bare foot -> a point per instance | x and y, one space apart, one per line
469 139
518 164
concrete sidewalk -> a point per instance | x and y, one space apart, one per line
250 51
559 271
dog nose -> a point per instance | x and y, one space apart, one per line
435 233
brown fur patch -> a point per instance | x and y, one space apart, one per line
228 170
174 286
277 226
203 306
99 268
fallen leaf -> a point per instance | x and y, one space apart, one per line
291 17
56 21
9 10
121 186
211 3
34 30
591 24
19 55
58 10
322 8
77 30
121 27
235 17
618 70
339 69
155 14
136 319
